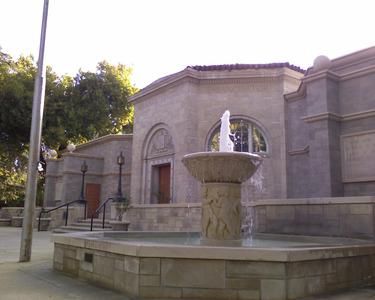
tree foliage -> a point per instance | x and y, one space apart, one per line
77 109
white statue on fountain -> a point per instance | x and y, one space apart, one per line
226 144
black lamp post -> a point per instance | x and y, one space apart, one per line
82 199
84 169
120 162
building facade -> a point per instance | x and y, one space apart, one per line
331 128
315 130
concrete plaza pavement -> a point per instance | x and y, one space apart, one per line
36 280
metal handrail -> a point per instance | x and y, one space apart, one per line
97 211
43 211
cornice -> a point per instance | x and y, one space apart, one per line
324 74
340 118
358 73
322 116
315 201
169 205
216 77
105 139
359 115
297 95
56 175
81 155
358 133
354 58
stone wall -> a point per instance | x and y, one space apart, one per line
165 217
341 217
57 217
330 125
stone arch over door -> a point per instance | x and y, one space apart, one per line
158 166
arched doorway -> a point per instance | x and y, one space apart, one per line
158 167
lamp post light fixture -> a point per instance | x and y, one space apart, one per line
120 162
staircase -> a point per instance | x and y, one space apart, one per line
84 225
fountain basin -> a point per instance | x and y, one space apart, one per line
233 167
140 266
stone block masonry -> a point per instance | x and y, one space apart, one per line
341 217
283 275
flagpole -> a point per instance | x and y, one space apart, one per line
35 138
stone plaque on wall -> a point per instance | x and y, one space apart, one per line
358 156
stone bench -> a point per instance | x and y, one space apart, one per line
44 223
119 225
5 222
17 221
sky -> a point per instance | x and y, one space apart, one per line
160 37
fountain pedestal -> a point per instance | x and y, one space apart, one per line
221 214
221 175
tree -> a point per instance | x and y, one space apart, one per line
99 103
78 109
16 93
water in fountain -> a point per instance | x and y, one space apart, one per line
188 221
257 179
248 226
226 145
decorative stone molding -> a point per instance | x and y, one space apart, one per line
358 115
322 116
297 95
353 59
161 144
321 75
358 73
299 151
340 118
81 155
105 139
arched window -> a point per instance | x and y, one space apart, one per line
246 136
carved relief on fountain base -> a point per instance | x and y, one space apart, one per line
221 213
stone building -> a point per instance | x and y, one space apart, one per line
315 130
331 128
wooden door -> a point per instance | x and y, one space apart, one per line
164 183
93 198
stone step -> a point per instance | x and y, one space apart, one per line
71 228
96 225
5 222
95 221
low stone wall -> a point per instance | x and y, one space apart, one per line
198 272
343 217
57 217
164 217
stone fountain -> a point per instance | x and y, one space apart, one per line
221 174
